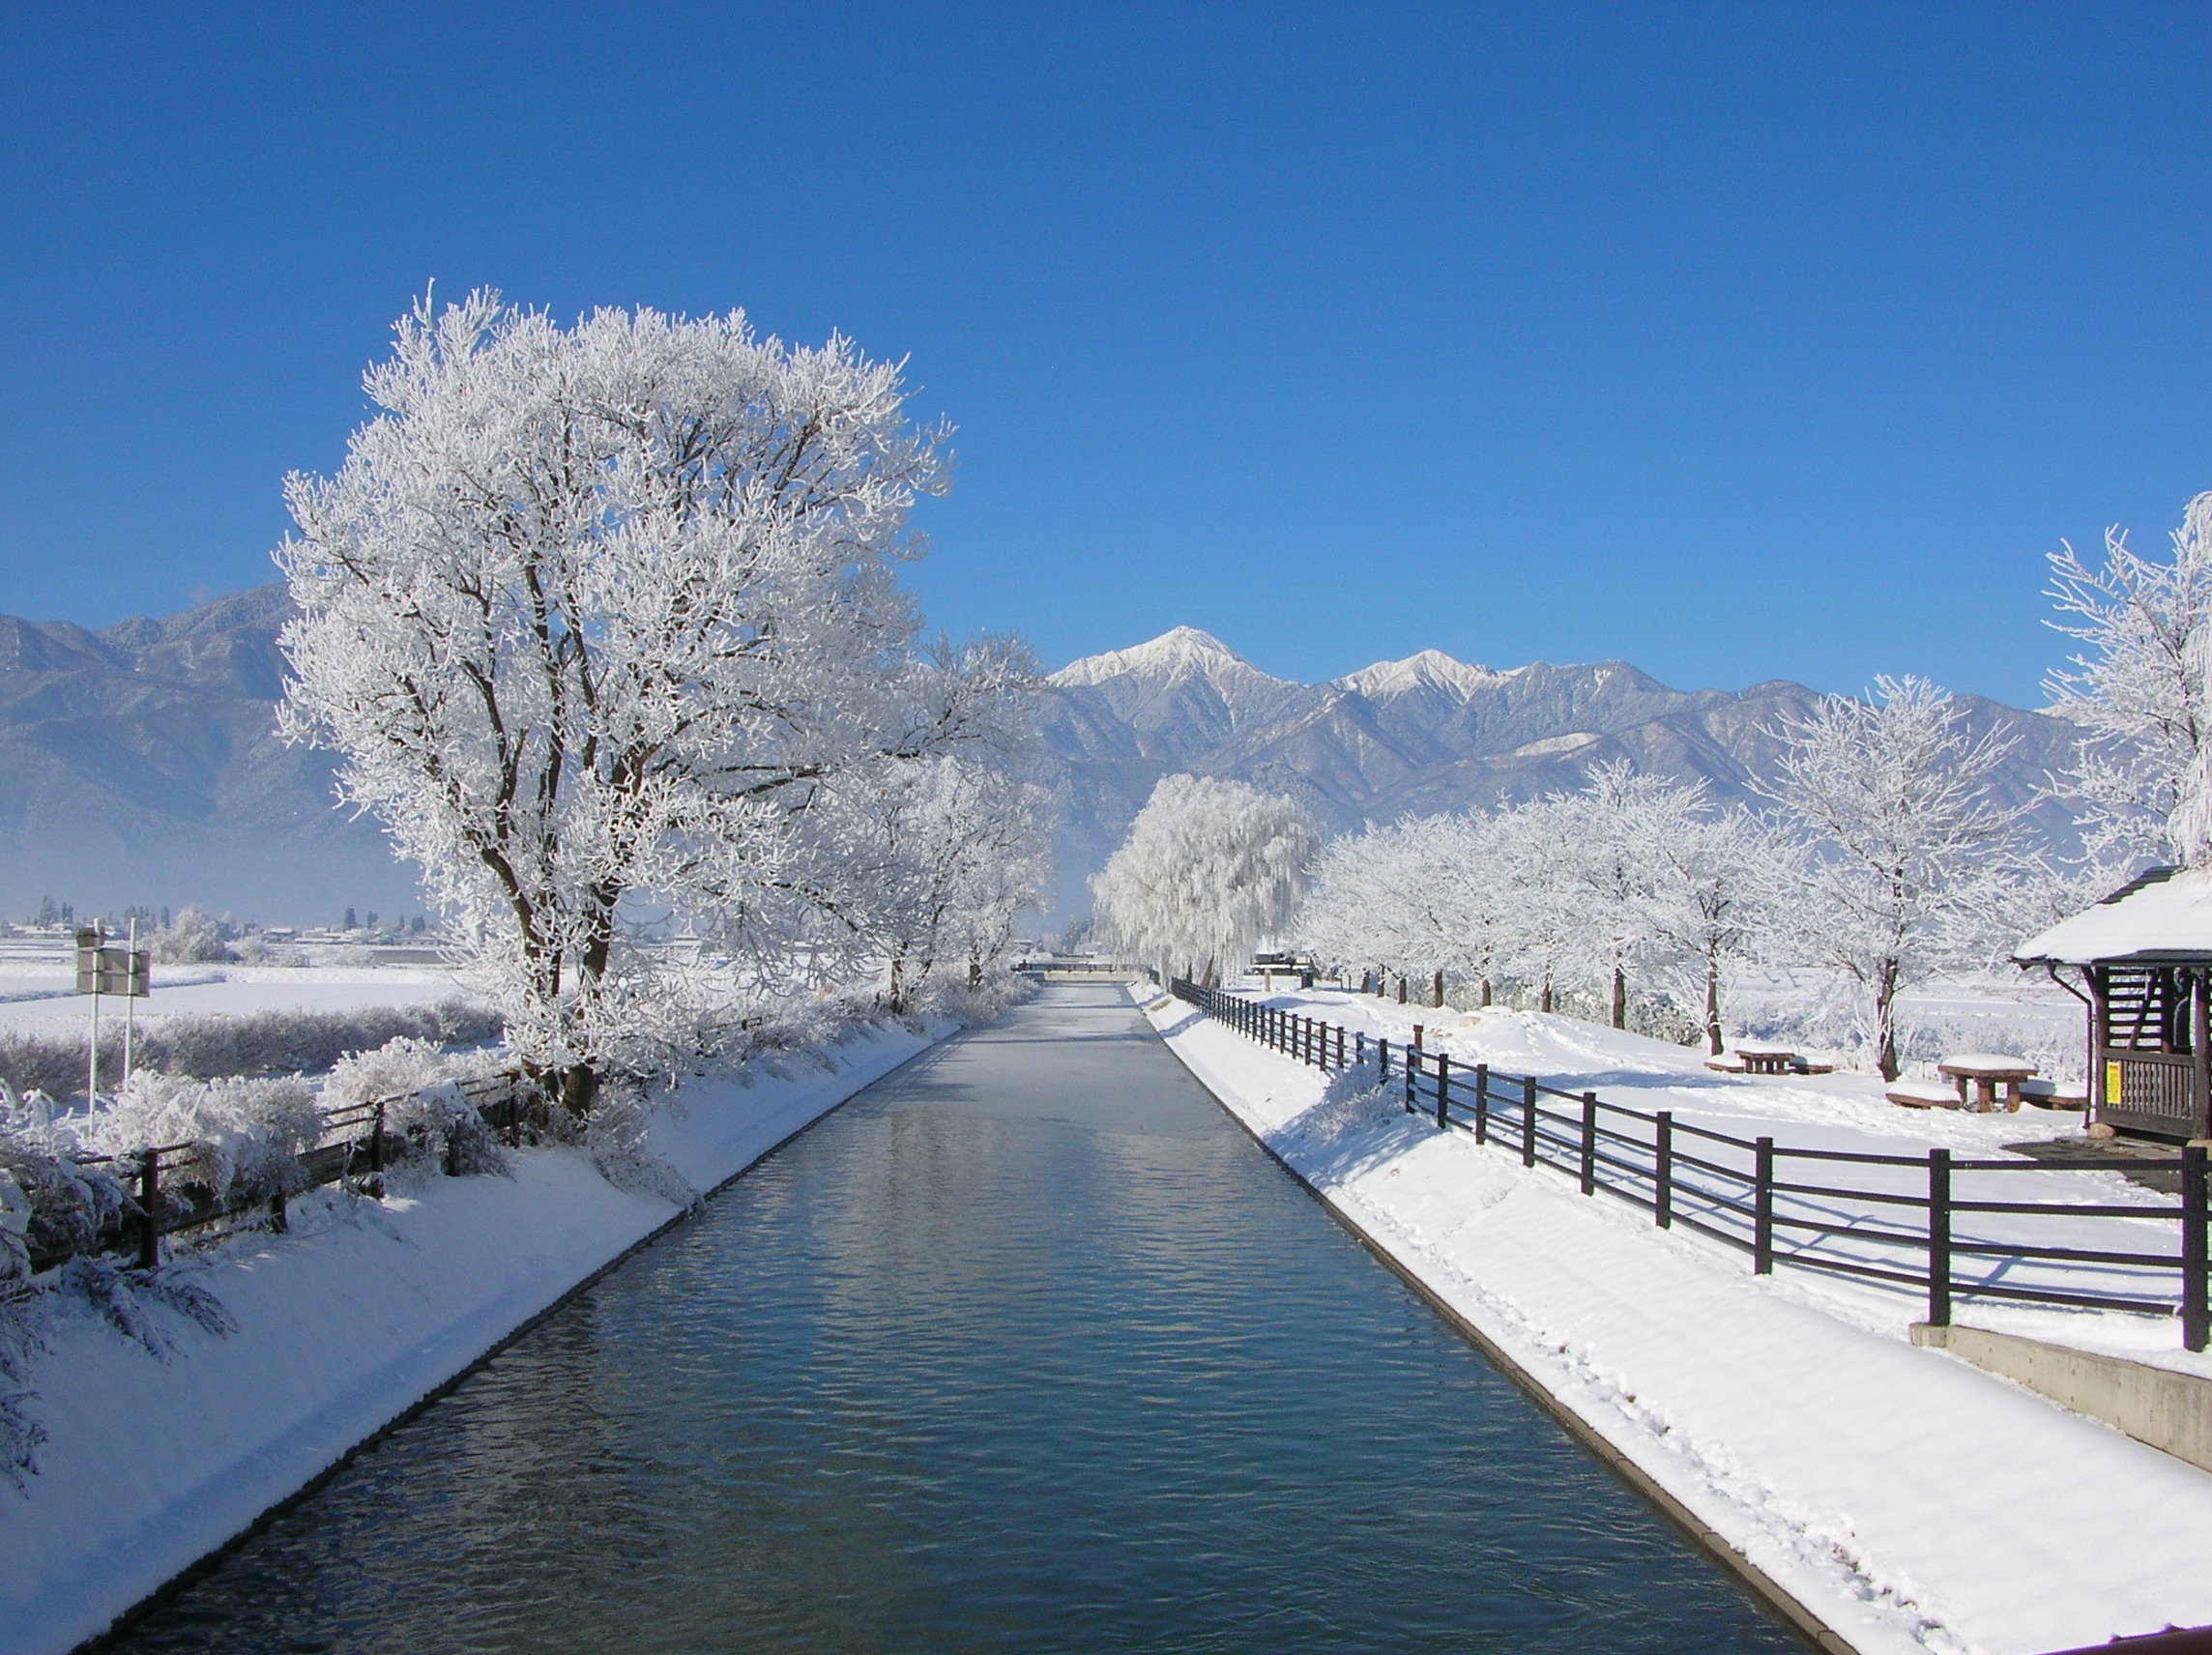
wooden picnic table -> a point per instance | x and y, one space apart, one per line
1985 1072
1763 1058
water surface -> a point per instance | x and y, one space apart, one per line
1027 1347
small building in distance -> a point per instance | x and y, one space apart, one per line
2143 959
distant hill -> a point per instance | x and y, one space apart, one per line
142 764
1419 736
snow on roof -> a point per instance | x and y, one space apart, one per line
2160 915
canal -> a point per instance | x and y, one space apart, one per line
1027 1347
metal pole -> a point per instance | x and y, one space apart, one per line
129 1000
92 1058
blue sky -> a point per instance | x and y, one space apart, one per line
1737 341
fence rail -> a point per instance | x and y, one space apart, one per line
357 1140
1909 1221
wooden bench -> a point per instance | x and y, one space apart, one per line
1922 1094
1985 1072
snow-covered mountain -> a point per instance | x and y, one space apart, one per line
140 762
1413 736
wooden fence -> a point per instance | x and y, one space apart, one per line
357 1140
1901 1225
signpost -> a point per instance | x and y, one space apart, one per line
129 972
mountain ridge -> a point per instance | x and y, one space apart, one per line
144 763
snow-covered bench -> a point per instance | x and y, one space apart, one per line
1923 1094
2051 1095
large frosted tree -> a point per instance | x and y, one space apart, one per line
1911 862
2141 688
1208 868
603 625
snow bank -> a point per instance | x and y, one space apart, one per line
361 1311
1909 1501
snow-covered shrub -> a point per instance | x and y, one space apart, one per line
280 1042
403 1064
439 1122
616 1136
245 1135
192 938
47 1200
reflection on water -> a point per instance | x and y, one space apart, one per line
1028 1349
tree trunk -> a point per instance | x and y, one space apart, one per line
1886 1022
1486 991
1619 998
1713 1039
1544 996
1401 990
1439 991
577 1086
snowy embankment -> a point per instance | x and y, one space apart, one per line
1905 1499
360 1312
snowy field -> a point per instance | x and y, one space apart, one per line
1910 1500
360 1309
37 990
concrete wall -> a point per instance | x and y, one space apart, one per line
2169 1410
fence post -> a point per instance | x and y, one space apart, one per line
1413 1066
1482 1103
1360 1046
1443 1091
2195 1316
1663 1171
376 1141
1939 1237
1590 1142
1763 1209
150 1202
1527 1121
1383 1057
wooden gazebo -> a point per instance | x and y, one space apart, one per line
2143 956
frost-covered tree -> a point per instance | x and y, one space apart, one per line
2143 691
602 623
1720 887
1415 897
1910 859
1207 869
966 850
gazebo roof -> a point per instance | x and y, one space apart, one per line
2164 915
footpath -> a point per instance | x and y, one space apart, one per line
345 1323
1891 1500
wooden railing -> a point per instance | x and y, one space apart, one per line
357 1140
1761 1198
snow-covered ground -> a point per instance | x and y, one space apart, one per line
1909 1500
1849 1113
36 994
362 1310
